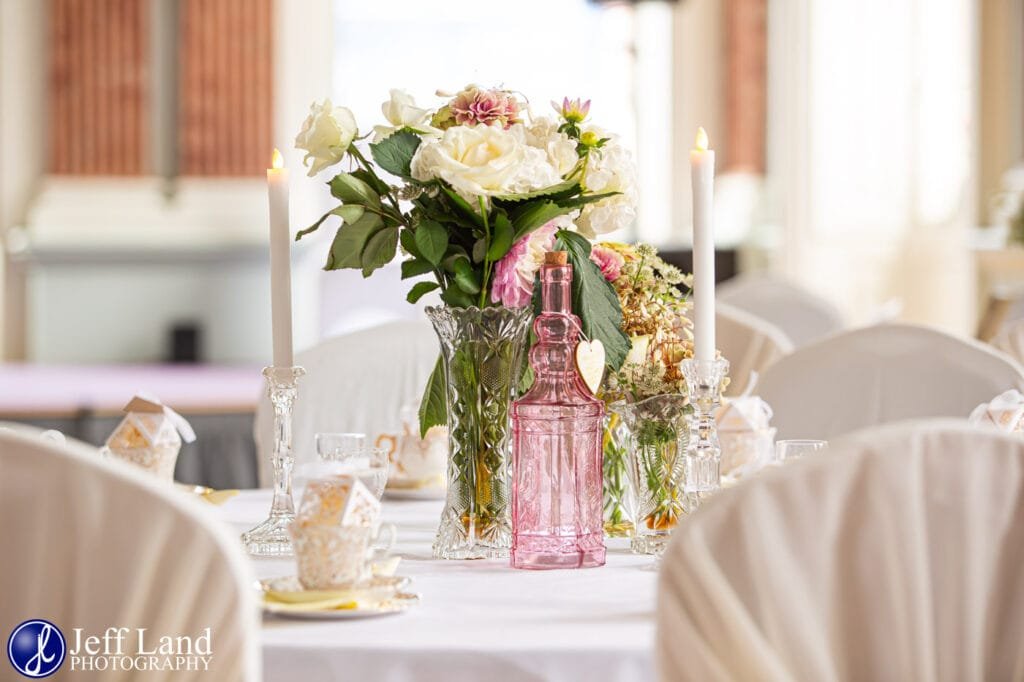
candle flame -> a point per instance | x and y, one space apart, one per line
277 161
702 140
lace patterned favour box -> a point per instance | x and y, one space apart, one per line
338 501
1005 412
150 436
745 433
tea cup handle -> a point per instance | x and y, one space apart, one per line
388 529
387 437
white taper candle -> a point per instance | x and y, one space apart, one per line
702 171
280 263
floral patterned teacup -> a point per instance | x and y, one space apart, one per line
416 462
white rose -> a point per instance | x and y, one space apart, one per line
401 112
484 161
560 148
609 169
326 135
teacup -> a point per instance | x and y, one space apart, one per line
333 557
415 461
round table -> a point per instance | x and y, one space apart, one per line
477 620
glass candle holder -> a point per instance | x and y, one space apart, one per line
272 537
703 451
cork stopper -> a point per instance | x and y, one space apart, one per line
556 258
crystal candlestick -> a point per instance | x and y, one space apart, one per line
703 451
271 538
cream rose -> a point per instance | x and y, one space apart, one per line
484 161
609 169
401 112
326 135
560 148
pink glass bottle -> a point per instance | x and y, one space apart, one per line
556 443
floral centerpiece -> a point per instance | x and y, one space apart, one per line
647 426
469 195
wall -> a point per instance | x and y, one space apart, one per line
22 143
1001 101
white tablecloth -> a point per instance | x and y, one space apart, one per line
478 620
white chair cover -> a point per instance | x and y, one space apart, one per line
882 374
897 556
354 383
93 544
802 316
1010 340
749 343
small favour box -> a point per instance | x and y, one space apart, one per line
1005 412
338 501
745 434
150 436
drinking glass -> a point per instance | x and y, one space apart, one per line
335 446
795 449
347 454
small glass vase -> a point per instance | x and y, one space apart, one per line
482 351
618 495
658 430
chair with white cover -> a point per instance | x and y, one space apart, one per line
896 556
801 315
1010 340
882 374
93 544
749 343
357 382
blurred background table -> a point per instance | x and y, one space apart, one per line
85 402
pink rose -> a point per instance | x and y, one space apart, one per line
515 272
609 261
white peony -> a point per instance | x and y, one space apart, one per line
609 169
484 161
326 135
401 112
560 148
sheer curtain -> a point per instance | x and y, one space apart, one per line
871 143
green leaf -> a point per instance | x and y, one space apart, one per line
594 300
463 208
379 250
313 228
561 190
431 240
420 289
350 213
479 250
454 254
351 190
466 278
414 267
347 248
394 153
501 237
434 404
533 215
378 185
457 298
408 241
577 202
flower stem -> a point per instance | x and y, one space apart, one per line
487 261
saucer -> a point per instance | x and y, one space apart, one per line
400 488
377 596
288 590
